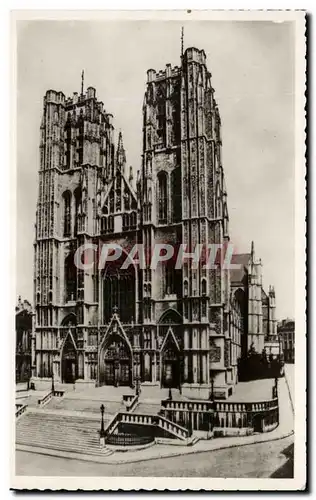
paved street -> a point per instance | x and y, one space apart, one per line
259 460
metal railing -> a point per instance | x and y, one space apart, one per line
124 439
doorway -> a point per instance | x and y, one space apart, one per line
69 371
69 362
170 369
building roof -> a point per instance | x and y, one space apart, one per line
286 325
237 275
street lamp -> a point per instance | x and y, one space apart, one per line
170 394
102 420
276 386
137 385
53 385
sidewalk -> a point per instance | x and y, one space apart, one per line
284 429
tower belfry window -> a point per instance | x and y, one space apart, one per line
162 197
70 278
176 195
78 213
67 213
68 141
80 138
170 278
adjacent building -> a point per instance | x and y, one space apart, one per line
286 332
258 308
164 327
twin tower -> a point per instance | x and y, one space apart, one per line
182 328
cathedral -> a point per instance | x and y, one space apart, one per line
181 328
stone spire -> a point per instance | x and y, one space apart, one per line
82 81
120 154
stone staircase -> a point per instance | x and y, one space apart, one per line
31 398
147 408
72 434
84 405
156 393
154 425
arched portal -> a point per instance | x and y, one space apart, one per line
170 361
115 361
69 361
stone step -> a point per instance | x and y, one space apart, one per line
84 405
44 426
57 438
59 433
59 445
155 393
80 451
147 408
92 435
65 420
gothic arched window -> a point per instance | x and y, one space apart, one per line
185 288
218 202
111 224
162 197
70 278
78 209
68 141
119 292
176 196
170 278
67 213
133 220
80 137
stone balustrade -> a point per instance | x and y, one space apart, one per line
149 420
132 402
245 407
207 415
169 404
20 409
45 399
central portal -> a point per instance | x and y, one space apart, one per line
117 363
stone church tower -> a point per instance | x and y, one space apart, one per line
120 325
184 199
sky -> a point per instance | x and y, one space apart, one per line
252 66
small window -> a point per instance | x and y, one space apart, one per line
162 197
67 213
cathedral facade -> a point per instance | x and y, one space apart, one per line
167 327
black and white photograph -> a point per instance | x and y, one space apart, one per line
160 250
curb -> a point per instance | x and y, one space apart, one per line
191 451
95 459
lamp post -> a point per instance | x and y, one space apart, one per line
28 379
276 386
102 421
137 385
53 385
170 394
